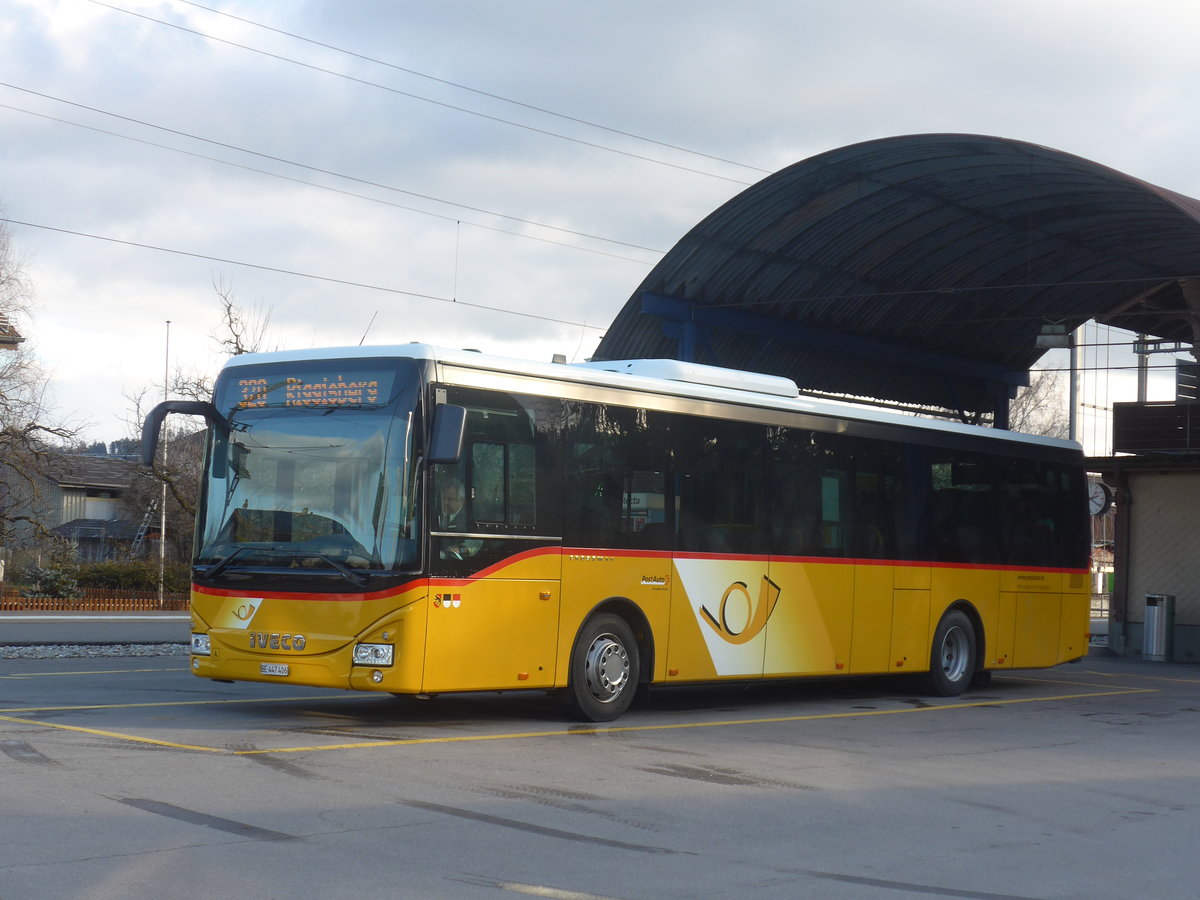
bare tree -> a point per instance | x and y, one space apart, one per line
28 432
1041 408
241 330
183 438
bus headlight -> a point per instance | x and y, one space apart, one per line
374 654
201 645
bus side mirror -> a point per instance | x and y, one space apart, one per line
153 423
449 423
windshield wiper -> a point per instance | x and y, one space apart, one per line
226 561
359 579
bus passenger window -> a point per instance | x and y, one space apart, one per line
487 482
502 484
831 510
522 500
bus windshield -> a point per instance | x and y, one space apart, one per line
314 471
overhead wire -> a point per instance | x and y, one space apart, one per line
473 90
367 182
322 171
379 200
480 92
282 271
383 87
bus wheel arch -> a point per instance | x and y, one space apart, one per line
611 657
981 677
956 651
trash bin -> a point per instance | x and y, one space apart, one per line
1159 628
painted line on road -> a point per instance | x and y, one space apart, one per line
134 738
159 703
18 676
1147 677
624 729
590 731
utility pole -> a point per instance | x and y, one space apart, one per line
162 521
1143 367
1073 387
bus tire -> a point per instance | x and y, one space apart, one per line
952 658
604 669
982 679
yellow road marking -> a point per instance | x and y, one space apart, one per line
619 729
230 700
1039 680
20 675
560 732
137 739
1147 677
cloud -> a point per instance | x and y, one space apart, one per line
763 84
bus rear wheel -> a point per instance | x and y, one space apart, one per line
952 658
604 669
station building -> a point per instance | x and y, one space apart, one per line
931 273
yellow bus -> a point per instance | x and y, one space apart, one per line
418 521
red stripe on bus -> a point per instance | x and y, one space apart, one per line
494 569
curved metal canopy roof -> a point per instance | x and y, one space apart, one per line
918 269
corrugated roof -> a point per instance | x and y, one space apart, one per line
930 254
9 336
82 470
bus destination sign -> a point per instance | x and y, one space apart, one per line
310 390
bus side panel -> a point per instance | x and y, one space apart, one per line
1002 638
811 629
911 640
833 587
496 632
730 600
591 577
870 649
1075 633
1039 621
977 586
687 656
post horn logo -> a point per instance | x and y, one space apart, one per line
757 612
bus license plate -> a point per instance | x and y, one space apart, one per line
272 668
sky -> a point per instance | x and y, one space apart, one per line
499 176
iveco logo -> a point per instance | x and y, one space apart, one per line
275 641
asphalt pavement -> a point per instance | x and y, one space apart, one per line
34 628
127 779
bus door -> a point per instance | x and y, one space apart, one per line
809 633
725 595
892 576
494 550
809 524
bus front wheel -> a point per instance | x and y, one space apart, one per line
952 658
604 669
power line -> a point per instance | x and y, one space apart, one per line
473 90
334 190
298 274
310 168
412 96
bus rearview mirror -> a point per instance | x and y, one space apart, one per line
449 423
